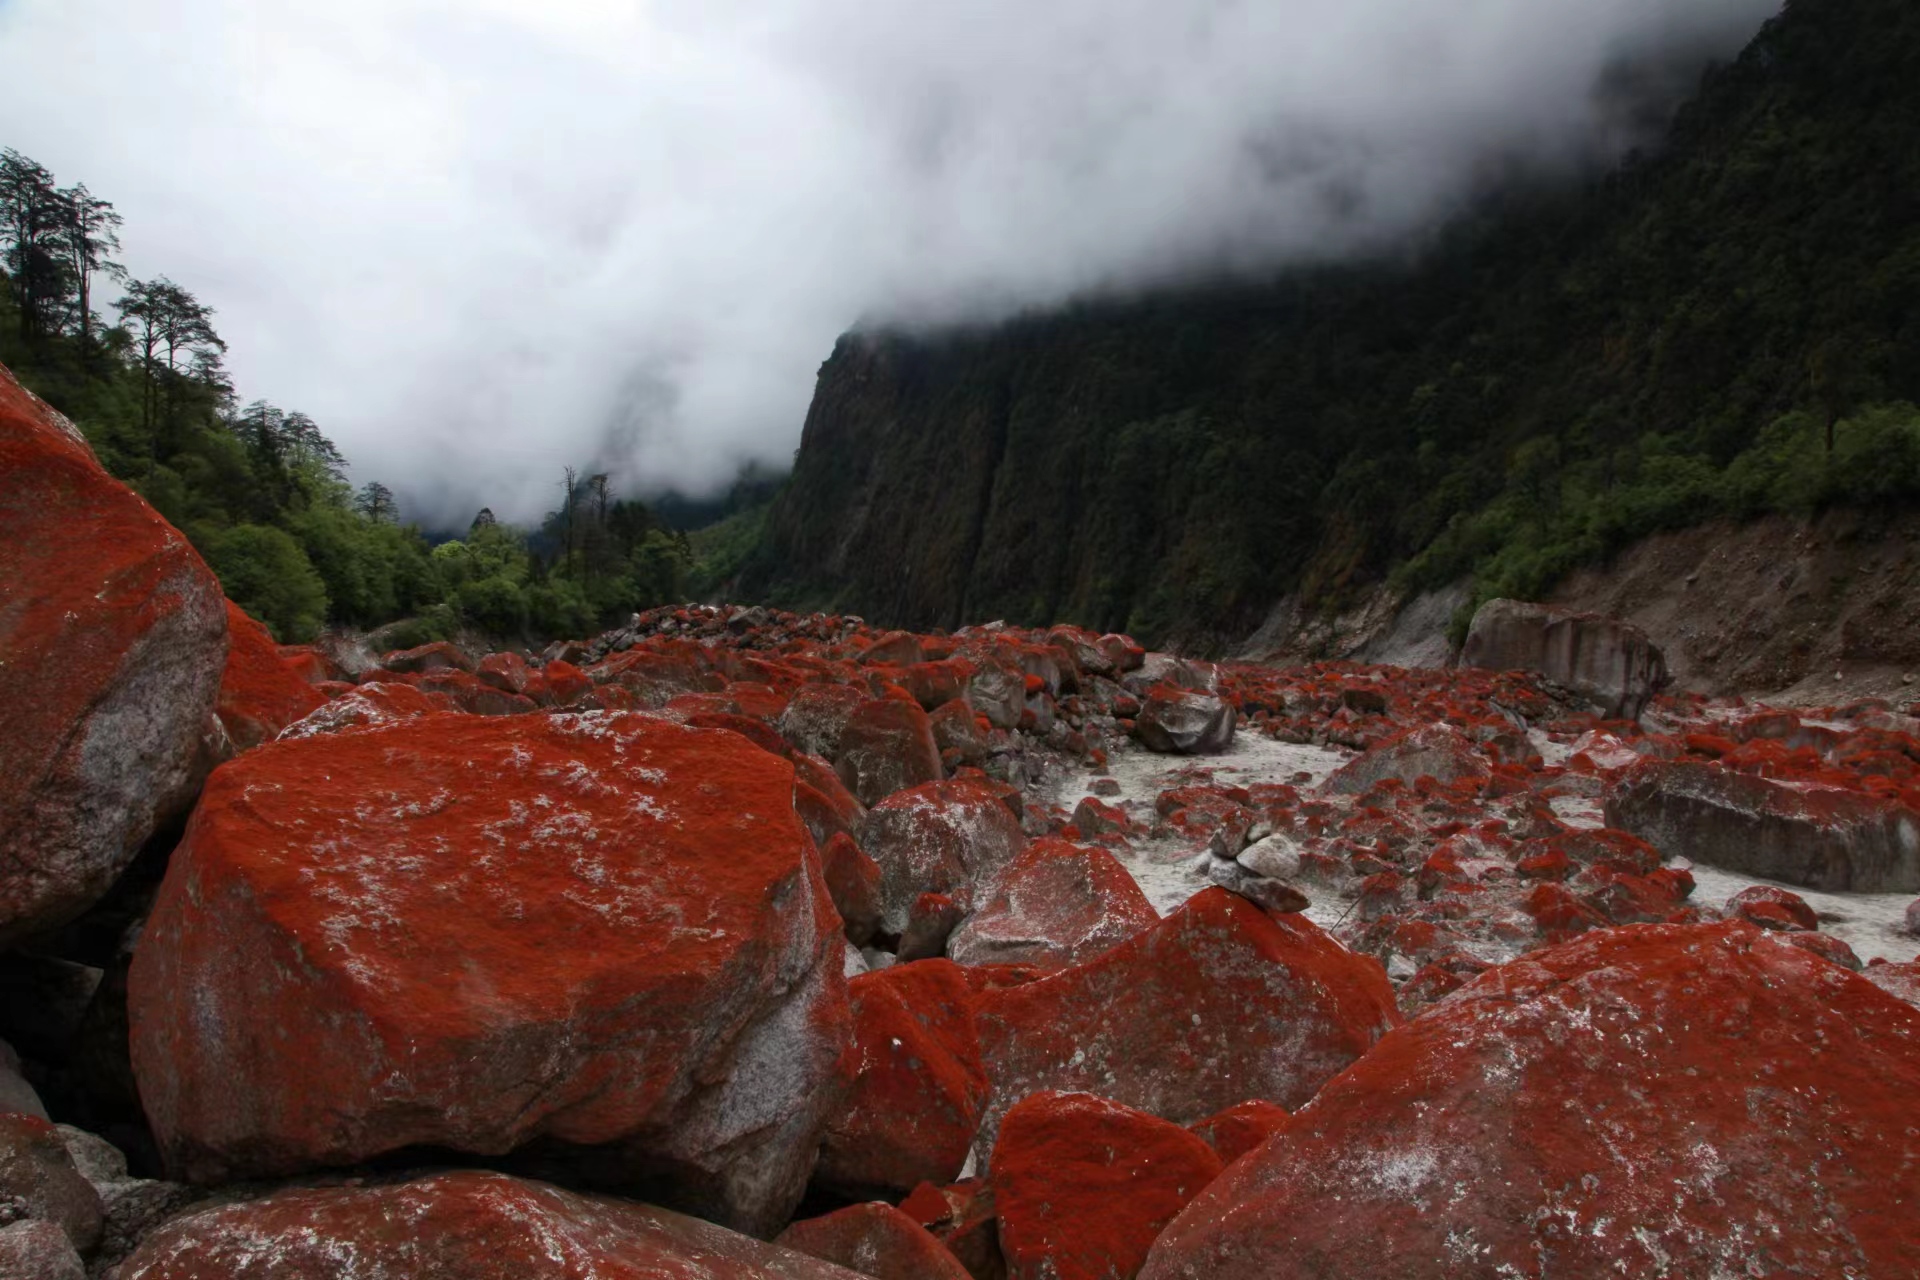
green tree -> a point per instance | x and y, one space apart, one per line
265 572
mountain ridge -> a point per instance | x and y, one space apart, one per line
1559 375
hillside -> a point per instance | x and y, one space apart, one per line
1724 329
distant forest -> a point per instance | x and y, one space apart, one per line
1724 327
261 491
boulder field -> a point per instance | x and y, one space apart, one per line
743 943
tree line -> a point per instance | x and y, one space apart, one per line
261 491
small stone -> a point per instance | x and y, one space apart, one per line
1274 895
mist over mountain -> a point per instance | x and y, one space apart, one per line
477 242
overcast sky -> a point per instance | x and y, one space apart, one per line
479 239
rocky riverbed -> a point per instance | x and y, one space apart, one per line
739 943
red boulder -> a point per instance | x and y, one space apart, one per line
1217 1004
1656 1100
440 655
111 649
367 706
1054 906
603 933
919 1087
875 1240
1083 1185
261 693
1820 837
886 746
944 837
456 1226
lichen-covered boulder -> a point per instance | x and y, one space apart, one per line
874 1239
919 1086
113 635
368 706
1217 1004
1240 1128
1055 905
605 933
1656 1100
457 1226
261 693
951 838
1082 1185
886 746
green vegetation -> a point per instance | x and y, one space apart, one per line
261 492
1727 327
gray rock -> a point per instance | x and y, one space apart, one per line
1610 661
1277 857
1274 895
1178 721
1835 841
133 1206
36 1250
998 691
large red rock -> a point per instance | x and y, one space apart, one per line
1605 659
1217 1004
876 1240
919 1086
886 746
950 838
457 1226
1055 905
605 933
261 693
113 634
1820 837
1083 1185
1657 1100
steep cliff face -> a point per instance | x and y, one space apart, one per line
1174 465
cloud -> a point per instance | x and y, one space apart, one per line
480 239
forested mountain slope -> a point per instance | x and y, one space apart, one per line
1730 326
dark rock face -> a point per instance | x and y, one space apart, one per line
1610 661
1824 839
